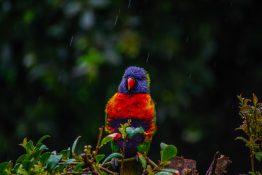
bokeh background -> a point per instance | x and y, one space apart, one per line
60 61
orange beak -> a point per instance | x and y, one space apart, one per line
131 82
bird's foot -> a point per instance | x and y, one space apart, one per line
114 163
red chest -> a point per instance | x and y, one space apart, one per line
136 106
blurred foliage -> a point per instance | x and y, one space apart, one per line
60 61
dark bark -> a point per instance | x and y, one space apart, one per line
219 165
184 166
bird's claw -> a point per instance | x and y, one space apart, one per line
114 162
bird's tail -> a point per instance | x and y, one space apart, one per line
131 168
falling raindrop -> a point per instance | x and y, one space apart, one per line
71 41
148 55
129 3
116 20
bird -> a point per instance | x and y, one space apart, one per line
132 104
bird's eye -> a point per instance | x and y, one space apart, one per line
139 78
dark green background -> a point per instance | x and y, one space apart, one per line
60 61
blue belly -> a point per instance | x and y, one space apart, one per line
131 144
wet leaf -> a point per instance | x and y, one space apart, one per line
78 167
111 156
53 161
255 100
240 98
65 153
131 131
163 145
26 145
110 138
44 157
258 155
174 171
99 157
74 144
105 140
168 152
242 138
40 141
68 161
142 160
4 166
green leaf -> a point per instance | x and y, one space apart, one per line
68 161
131 131
168 152
53 160
21 170
258 155
65 153
44 157
74 144
16 167
27 164
42 148
99 157
27 145
174 171
164 173
142 160
78 167
24 142
143 148
40 141
242 138
255 100
122 128
105 140
22 158
110 138
163 145
241 99
30 147
111 156
4 166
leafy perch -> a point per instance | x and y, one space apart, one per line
250 112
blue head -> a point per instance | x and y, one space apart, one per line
135 80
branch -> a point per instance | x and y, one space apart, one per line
156 167
107 170
99 140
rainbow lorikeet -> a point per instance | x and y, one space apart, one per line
132 103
